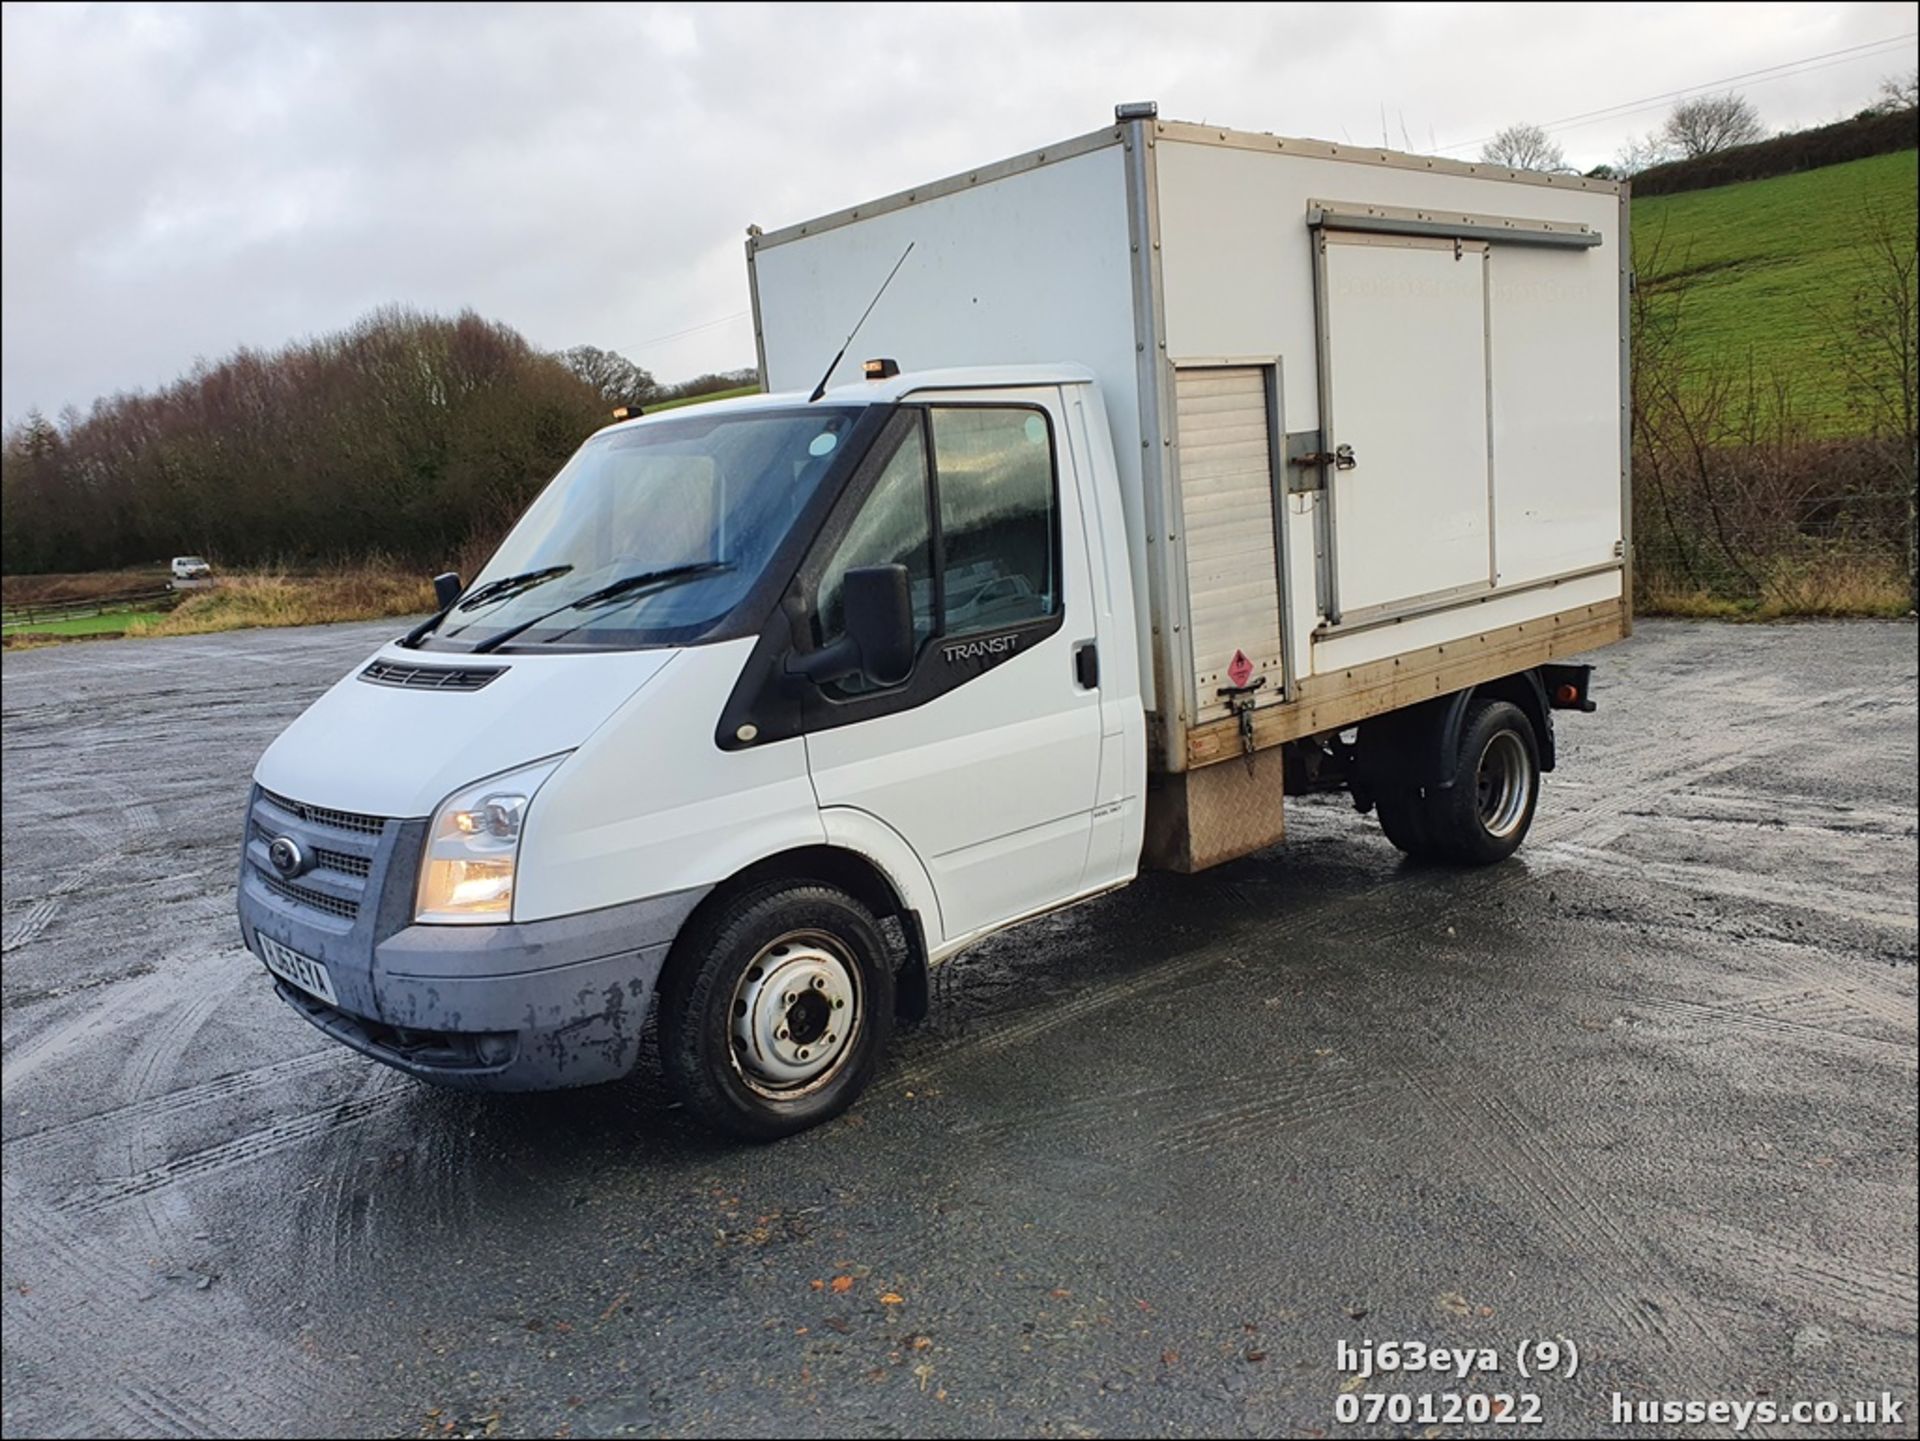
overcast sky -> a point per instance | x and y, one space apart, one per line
180 181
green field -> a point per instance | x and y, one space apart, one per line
1769 264
701 399
113 622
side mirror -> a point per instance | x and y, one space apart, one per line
447 588
878 603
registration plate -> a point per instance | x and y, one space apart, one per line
303 971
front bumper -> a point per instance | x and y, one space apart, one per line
535 1006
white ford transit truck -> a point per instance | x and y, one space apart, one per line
1204 468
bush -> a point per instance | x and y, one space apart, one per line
274 598
1864 135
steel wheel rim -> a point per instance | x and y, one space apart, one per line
1503 782
795 1015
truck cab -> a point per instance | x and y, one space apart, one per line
751 677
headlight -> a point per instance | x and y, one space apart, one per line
467 876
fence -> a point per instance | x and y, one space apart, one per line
39 612
1701 552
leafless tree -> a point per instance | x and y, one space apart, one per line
1874 345
1640 152
1681 423
1709 123
1898 92
1524 147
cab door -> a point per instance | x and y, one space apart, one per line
986 758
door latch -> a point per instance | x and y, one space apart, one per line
1239 699
1340 458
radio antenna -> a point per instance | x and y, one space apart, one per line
821 389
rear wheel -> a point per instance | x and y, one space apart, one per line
775 1009
1485 814
1403 816
1482 817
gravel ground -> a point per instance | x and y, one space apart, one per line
1650 1087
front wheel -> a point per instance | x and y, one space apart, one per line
775 1009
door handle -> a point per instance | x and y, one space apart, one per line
1086 665
1340 458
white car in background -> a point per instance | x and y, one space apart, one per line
190 567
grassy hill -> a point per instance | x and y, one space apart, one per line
1766 261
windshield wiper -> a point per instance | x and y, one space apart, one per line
614 590
494 589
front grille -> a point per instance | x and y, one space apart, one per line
347 865
301 896
322 816
429 677
342 862
343 848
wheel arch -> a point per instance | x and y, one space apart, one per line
1528 692
861 876
1415 746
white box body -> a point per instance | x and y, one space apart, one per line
1247 302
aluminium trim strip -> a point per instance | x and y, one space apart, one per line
1505 229
1458 598
949 185
1626 406
1326 571
1167 714
759 333
1179 130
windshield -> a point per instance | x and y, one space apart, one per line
650 533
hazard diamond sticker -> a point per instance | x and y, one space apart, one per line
1239 669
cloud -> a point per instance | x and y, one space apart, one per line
179 181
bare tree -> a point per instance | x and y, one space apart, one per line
1524 147
1874 346
1709 123
1641 152
619 380
1898 92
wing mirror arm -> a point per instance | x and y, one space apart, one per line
877 601
827 664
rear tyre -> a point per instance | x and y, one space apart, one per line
775 1009
1403 816
1484 815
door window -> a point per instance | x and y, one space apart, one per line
893 527
986 556
999 523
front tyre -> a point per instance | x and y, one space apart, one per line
775 1009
